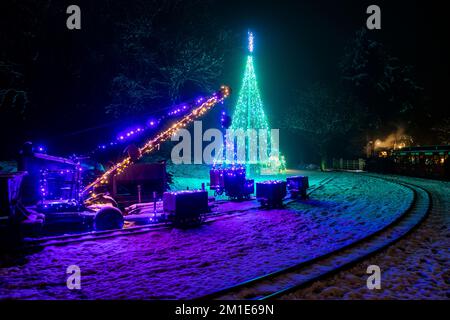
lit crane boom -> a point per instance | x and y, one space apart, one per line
153 144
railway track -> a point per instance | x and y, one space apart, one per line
281 282
95 235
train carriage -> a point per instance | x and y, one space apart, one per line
425 162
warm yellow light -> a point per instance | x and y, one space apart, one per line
148 147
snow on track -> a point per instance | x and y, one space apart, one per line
417 267
173 264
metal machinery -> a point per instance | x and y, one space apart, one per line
10 208
231 181
271 193
52 189
9 193
56 189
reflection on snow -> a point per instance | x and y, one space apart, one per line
173 263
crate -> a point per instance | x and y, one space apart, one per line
271 193
249 187
232 181
216 179
186 204
297 185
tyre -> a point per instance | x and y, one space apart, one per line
108 218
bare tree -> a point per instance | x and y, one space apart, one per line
21 27
164 65
321 116
442 130
385 87
196 64
13 91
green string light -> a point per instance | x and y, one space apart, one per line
249 115
249 110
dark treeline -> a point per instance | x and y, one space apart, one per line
71 90
128 60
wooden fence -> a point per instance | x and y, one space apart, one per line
342 164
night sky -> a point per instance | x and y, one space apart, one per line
297 43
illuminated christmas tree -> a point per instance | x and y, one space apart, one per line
249 114
249 111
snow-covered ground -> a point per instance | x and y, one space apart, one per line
173 263
417 267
